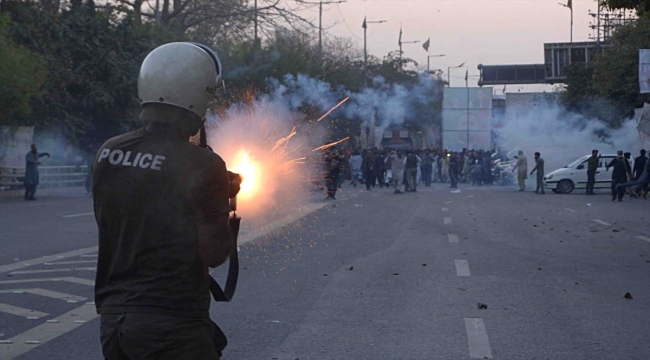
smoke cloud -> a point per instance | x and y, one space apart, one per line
562 137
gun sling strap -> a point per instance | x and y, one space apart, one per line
227 293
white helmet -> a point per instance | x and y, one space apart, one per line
182 74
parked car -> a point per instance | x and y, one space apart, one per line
574 176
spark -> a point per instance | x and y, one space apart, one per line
284 139
334 108
331 144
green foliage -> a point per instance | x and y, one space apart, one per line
21 74
92 59
609 90
83 82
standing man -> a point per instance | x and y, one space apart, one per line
396 168
639 165
411 163
427 167
161 206
31 171
592 167
539 167
619 175
379 169
453 170
333 164
355 167
522 167
368 164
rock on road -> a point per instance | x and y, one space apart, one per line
485 273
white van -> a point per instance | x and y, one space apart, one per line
574 176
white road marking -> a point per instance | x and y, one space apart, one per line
71 262
45 332
453 238
567 209
78 215
17 310
477 339
448 202
70 279
44 259
469 197
444 209
602 222
47 293
644 238
447 221
462 268
89 255
24 272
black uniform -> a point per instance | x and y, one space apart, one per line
151 192
619 176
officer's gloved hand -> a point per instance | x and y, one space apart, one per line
235 183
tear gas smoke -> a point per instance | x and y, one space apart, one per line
562 137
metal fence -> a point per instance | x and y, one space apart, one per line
11 178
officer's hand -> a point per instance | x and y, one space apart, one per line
235 183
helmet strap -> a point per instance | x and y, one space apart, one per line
203 142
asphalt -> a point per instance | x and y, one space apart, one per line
374 275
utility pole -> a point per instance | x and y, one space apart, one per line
320 23
365 48
255 40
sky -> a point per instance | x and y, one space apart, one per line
490 32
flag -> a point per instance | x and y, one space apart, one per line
569 4
364 23
399 42
426 44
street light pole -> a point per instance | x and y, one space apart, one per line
429 57
569 5
449 72
365 49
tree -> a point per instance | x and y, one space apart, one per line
642 7
616 76
21 74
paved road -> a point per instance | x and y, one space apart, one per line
372 276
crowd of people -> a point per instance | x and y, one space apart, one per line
407 169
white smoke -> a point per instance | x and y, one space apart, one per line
390 103
562 137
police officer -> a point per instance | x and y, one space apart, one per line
161 206
592 167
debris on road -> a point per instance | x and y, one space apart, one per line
628 296
455 191
351 268
589 205
481 306
395 273
616 230
324 274
424 264
273 321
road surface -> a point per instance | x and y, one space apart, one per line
484 273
